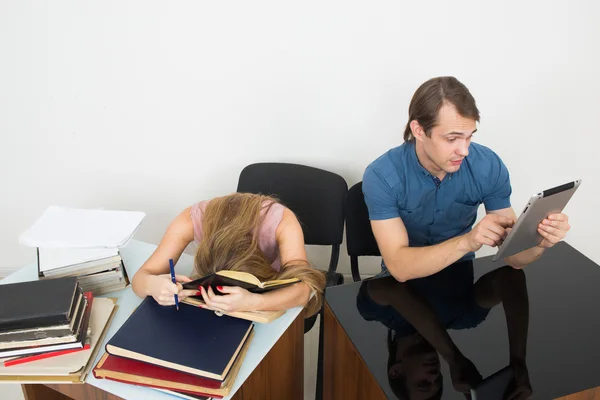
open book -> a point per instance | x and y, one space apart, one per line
263 317
236 278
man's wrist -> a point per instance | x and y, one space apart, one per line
464 245
452 354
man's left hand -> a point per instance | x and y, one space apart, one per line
553 229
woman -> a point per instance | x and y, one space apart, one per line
240 232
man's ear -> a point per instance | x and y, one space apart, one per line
417 129
395 370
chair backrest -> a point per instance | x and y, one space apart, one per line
316 196
359 235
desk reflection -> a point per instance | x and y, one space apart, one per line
419 313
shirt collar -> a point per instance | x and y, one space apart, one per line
412 151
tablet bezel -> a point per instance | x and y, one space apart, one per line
524 234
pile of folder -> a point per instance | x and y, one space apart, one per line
83 243
50 330
190 351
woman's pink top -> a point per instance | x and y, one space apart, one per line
267 240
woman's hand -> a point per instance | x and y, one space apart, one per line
162 289
234 298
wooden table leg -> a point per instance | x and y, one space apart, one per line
280 375
345 374
41 392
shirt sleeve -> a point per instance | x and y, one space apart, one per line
380 198
497 193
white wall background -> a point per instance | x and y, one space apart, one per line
154 105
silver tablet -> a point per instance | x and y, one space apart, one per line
524 234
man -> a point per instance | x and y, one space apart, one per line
423 195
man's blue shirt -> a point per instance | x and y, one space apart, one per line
397 185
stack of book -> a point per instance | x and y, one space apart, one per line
83 243
190 351
99 271
50 340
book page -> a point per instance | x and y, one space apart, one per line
240 276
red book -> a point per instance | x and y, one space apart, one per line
116 364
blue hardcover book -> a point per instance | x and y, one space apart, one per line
190 340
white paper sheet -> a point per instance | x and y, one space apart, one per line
76 227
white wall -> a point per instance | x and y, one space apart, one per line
153 105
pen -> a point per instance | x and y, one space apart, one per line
174 281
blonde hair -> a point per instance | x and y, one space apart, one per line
231 228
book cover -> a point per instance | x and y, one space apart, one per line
72 367
190 339
235 278
24 305
81 336
24 340
139 373
44 332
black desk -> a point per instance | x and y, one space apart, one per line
562 342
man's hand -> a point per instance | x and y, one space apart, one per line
464 374
520 387
553 229
491 231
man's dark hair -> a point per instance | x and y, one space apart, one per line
398 385
431 96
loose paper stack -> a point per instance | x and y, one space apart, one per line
83 243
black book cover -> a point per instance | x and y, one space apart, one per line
190 339
37 304
214 280
81 328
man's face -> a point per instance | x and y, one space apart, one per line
449 141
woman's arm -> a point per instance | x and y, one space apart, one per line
290 240
153 278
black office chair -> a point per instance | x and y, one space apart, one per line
359 235
316 197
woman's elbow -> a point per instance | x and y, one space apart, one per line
304 296
138 283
